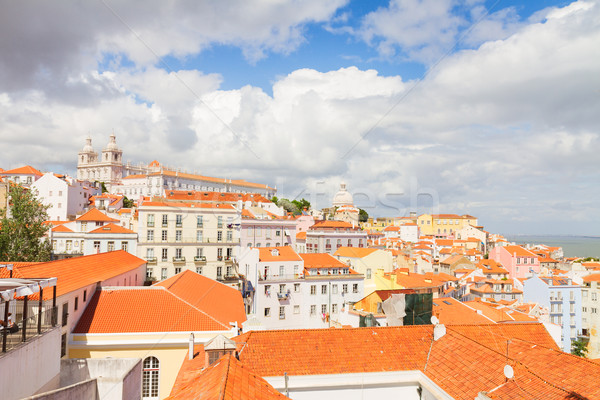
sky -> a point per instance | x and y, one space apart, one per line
490 108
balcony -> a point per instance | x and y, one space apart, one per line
150 224
178 259
283 296
151 260
230 277
200 259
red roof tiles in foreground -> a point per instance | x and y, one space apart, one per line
143 309
467 360
26 170
274 254
78 272
227 379
214 298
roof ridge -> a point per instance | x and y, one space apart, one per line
225 378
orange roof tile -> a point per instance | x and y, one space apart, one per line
282 253
112 228
223 206
61 228
143 309
187 195
26 170
327 224
96 215
592 278
519 251
221 301
301 235
227 379
354 252
78 272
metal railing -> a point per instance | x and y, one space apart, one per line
24 330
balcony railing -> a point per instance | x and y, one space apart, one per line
24 330
151 260
282 277
200 258
178 259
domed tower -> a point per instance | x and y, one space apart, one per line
111 162
343 197
87 157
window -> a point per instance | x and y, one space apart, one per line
199 222
282 312
323 289
69 245
277 233
282 289
178 235
334 289
296 309
220 221
65 313
368 273
229 236
267 290
355 288
163 273
313 310
334 308
178 252
313 289
97 246
150 220
150 235
165 254
594 296
177 270
296 287
163 235
345 288
295 270
84 295
111 246
150 378
219 272
281 270
220 253
76 306
198 236
178 220
267 312
199 270
165 220
219 236
63 345
323 308
149 273
124 246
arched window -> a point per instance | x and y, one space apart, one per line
150 376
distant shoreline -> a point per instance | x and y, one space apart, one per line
572 245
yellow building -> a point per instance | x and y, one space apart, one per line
155 324
366 261
443 224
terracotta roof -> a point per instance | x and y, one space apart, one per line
183 175
301 235
467 360
223 206
227 379
592 278
143 309
332 224
26 170
216 299
391 229
474 312
187 195
61 228
454 259
321 260
282 253
489 266
112 228
96 215
354 252
519 251
78 272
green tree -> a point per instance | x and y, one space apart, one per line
274 199
301 204
288 206
127 203
579 348
22 232
363 216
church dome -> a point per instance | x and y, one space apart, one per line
342 197
88 145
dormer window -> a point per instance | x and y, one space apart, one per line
275 253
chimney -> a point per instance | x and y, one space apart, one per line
191 347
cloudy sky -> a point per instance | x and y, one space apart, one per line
490 108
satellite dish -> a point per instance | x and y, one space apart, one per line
434 320
509 373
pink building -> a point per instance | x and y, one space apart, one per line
519 262
267 230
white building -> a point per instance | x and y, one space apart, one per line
91 233
202 237
328 236
66 196
298 290
24 176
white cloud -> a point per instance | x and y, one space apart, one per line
508 130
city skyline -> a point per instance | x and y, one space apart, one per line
489 105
